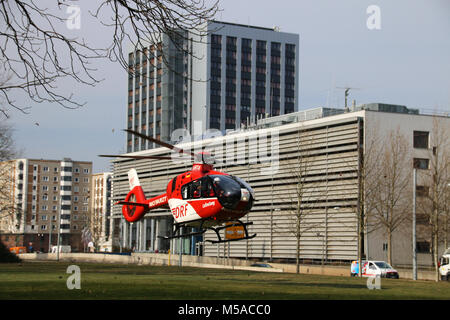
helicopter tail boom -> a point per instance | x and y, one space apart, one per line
135 205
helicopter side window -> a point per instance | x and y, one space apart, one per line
174 182
201 188
185 191
196 189
207 188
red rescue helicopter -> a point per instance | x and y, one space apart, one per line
201 198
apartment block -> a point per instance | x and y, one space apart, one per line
44 197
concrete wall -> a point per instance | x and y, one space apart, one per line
203 262
378 125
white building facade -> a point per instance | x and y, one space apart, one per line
266 156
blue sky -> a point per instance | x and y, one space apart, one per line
405 62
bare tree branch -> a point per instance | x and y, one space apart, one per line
36 55
388 185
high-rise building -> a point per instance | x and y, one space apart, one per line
35 193
224 80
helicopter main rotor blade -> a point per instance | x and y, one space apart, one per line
161 143
135 157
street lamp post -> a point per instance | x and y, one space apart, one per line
58 239
323 244
414 250
50 237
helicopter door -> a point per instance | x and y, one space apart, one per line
198 189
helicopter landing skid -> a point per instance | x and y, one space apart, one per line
177 235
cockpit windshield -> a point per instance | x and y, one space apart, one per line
228 191
226 188
244 185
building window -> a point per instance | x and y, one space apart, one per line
422 191
421 163
421 139
423 247
422 218
216 39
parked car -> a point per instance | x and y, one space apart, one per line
261 265
18 250
374 268
62 249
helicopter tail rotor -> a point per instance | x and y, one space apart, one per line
134 206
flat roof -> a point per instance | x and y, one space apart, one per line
243 25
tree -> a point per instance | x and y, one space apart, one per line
301 193
96 222
37 52
434 183
387 185
8 209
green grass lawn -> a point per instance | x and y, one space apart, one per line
47 280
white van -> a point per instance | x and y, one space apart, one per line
375 269
379 268
62 249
